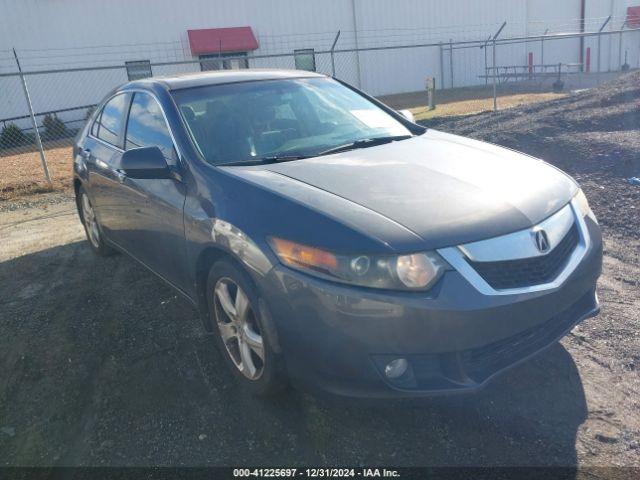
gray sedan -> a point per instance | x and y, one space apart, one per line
329 241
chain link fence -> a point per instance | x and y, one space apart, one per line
41 110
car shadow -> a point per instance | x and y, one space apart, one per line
105 365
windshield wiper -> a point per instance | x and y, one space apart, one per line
364 143
263 160
281 158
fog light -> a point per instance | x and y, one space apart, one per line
396 368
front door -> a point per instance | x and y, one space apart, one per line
152 209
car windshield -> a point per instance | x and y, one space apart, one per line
278 120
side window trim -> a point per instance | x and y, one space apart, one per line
96 123
126 120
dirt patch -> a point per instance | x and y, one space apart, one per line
468 107
470 100
21 173
104 365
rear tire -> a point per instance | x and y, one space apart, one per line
92 228
241 332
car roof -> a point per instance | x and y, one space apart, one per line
200 79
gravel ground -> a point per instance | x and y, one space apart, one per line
104 365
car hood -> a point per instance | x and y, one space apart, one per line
446 189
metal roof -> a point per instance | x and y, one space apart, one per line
213 40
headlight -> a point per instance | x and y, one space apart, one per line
583 206
418 271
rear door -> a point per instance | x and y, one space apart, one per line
103 150
152 209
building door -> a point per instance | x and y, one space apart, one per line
224 61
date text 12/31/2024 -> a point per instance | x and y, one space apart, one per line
315 472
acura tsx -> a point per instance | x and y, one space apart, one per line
329 241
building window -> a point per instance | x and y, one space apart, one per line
305 59
138 69
224 61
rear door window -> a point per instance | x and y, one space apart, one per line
147 127
111 120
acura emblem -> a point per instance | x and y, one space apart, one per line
542 241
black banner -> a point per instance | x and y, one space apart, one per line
207 473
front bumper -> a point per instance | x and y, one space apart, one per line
338 338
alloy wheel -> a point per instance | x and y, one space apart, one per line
239 328
90 221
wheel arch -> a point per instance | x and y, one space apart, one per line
205 261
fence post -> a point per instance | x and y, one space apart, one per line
620 46
495 78
431 93
600 39
558 85
486 61
495 68
43 160
333 61
441 65
451 60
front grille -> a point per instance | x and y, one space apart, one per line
528 271
453 370
482 362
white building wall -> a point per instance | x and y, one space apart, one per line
75 33
157 29
612 49
429 21
566 14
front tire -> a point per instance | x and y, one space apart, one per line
240 331
91 225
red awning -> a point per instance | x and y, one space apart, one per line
633 17
214 40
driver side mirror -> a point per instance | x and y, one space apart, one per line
145 162
408 115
